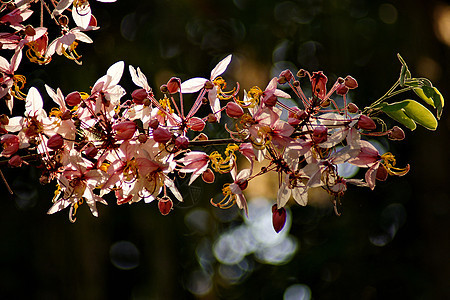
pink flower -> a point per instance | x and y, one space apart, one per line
194 162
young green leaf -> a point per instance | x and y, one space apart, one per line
436 96
401 117
420 114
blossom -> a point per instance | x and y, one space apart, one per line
214 90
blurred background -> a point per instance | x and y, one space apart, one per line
393 242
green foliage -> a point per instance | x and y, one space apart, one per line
409 112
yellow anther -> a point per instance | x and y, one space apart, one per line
221 84
55 112
35 55
224 165
229 198
388 161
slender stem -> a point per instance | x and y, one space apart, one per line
6 183
212 142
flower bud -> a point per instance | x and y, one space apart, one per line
285 76
352 108
270 100
173 85
10 144
91 151
212 118
15 161
161 135
182 142
67 115
124 130
396 134
366 123
139 95
196 124
208 176
234 110
320 134
342 90
4 120
73 99
153 124
142 138
165 205
29 30
350 82
296 116
278 218
55 142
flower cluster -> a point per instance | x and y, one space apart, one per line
21 37
134 144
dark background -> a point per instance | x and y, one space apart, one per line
389 243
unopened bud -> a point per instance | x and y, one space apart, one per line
73 98
55 142
29 30
366 123
139 95
242 183
153 124
285 76
4 120
63 20
161 135
320 134
296 116
90 151
234 110
396 134
67 115
350 82
142 138
124 130
208 176
278 218
212 118
15 161
163 88
165 205
173 85
270 100
196 124
352 108
182 142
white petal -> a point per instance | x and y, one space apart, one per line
193 85
82 15
33 102
116 71
220 67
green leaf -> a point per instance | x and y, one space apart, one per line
436 96
394 106
420 114
401 117
404 71
422 95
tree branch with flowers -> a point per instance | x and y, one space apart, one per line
134 144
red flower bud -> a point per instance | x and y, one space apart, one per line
161 135
91 151
142 138
352 108
165 206
209 85
182 142
10 144
350 82
153 124
278 218
270 100
320 134
285 76
55 142
208 176
139 96
73 99
396 134
196 124
212 118
296 116
15 161
234 110
366 123
342 90
124 130
173 85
